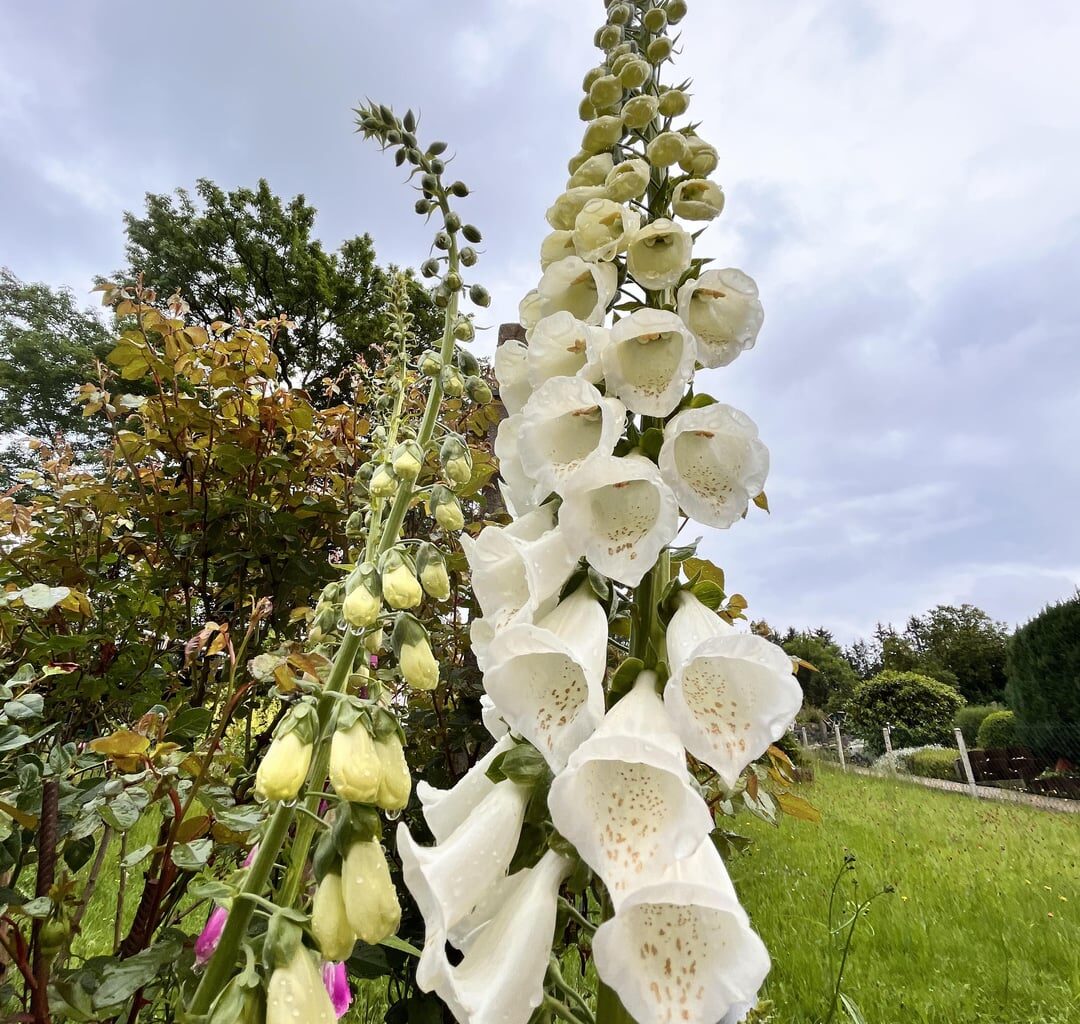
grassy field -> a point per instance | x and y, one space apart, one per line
984 926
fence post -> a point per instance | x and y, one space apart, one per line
839 746
886 731
805 741
967 762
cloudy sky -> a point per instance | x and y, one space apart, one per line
901 181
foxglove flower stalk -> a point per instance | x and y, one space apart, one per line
566 426
621 513
723 312
680 948
714 462
730 694
649 361
625 800
546 680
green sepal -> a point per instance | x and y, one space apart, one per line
355 823
283 936
622 679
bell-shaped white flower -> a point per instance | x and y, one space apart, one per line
445 809
511 371
621 514
518 569
682 949
515 484
500 979
628 180
563 346
730 695
659 254
649 361
593 171
547 679
715 463
556 246
625 800
603 228
564 210
697 199
449 880
723 312
583 289
567 426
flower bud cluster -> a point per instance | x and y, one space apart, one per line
604 448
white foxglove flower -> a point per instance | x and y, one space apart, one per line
583 289
715 463
445 809
449 880
649 361
562 346
556 246
547 679
593 171
566 427
492 718
603 229
697 199
625 800
628 180
512 374
515 484
730 695
723 312
518 569
500 979
564 210
621 514
682 949
659 254
700 159
529 310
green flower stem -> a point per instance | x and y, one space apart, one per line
223 962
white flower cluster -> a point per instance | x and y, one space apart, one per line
603 448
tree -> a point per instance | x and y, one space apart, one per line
250 251
48 347
1043 670
830 682
965 642
919 709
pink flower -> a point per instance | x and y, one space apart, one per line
374 661
209 937
337 986
251 854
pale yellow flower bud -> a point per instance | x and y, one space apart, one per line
628 180
400 588
606 91
418 665
396 783
435 581
639 111
383 483
296 993
284 768
563 212
700 158
602 134
449 516
674 102
666 149
593 171
361 608
355 768
329 922
370 900
556 246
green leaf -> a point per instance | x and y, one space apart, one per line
25 708
121 813
705 569
136 856
524 764
651 442
681 554
192 856
623 677
122 978
708 593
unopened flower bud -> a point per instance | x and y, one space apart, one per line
442 240
452 382
609 37
444 507
468 256
478 390
586 110
556 246
399 584
459 189
628 180
618 14
700 158
296 992
284 766
577 160
655 20
673 102
452 221
354 525
430 364
471 233
383 482
370 900
676 11
591 76
464 330
423 206
467 363
363 603
697 199
429 268
606 91
639 111
329 922
592 172
602 134
456 461
658 50
634 73
452 281
355 770
410 644
666 149
396 783
373 642
408 460
431 567
479 295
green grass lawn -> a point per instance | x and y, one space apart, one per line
984 925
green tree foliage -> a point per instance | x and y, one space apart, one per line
919 709
998 731
248 252
1044 680
48 347
965 642
968 720
830 682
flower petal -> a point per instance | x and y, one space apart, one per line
649 361
561 346
724 313
516 485
621 514
511 372
582 289
715 463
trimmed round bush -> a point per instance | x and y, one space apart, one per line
934 763
998 731
970 718
919 709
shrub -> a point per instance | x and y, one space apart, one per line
934 763
1043 669
997 731
919 709
970 718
